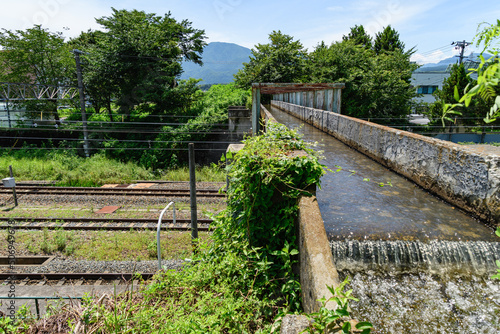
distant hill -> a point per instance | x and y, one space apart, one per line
220 62
443 64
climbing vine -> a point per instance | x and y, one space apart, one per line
266 179
243 280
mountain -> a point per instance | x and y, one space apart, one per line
443 64
220 62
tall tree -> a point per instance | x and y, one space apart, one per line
281 60
359 36
388 40
98 77
36 55
448 94
140 55
377 86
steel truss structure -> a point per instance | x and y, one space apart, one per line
10 91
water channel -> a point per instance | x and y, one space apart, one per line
417 263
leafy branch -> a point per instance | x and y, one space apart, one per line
328 320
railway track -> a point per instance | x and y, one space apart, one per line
91 191
60 279
94 224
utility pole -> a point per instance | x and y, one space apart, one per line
82 101
461 45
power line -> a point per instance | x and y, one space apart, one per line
426 53
123 140
112 148
461 46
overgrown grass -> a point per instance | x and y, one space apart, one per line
242 282
131 245
68 169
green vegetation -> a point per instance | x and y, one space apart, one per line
328 320
241 282
281 60
133 245
136 58
377 77
69 169
487 87
139 109
377 85
36 55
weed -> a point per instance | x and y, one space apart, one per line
333 320
46 245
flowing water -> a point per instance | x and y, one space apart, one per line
418 264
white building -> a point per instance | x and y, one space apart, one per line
427 82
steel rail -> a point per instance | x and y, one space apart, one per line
108 191
118 188
123 224
74 276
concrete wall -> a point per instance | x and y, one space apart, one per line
315 256
461 175
240 122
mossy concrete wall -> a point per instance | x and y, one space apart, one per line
461 175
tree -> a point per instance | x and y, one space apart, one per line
488 82
376 85
282 60
359 36
99 86
36 55
137 58
449 95
387 40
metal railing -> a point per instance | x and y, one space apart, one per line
37 306
158 246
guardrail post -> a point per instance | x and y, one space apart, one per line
158 228
14 187
192 190
255 110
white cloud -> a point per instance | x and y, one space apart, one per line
395 12
433 57
69 16
436 56
335 9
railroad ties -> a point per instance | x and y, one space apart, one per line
96 224
59 279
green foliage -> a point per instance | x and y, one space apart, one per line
328 320
448 96
266 180
488 81
68 169
211 111
497 275
377 86
281 60
388 41
36 55
359 36
138 56
243 278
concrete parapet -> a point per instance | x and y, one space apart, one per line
317 270
462 176
316 266
266 117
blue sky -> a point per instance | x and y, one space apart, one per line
429 25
